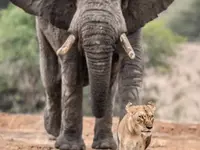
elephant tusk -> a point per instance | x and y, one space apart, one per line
127 46
67 45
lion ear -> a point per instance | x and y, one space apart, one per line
58 12
128 107
152 106
139 12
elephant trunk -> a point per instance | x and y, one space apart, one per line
97 45
98 25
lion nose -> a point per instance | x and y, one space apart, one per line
149 127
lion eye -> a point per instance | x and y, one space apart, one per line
140 116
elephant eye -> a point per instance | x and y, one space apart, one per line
71 5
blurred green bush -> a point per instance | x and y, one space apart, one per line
159 43
3 4
20 85
186 21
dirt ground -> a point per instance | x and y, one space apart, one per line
26 132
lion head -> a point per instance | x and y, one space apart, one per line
140 118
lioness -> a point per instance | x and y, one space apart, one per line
134 130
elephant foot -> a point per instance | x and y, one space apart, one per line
104 143
52 138
52 121
63 143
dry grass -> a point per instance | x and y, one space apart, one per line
177 93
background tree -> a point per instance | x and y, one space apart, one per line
20 87
186 22
3 4
159 43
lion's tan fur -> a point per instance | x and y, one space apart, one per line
134 130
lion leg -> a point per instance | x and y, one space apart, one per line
131 75
121 146
51 79
147 142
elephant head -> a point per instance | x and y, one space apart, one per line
97 25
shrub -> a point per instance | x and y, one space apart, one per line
159 43
186 22
20 87
3 4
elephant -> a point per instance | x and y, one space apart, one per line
87 42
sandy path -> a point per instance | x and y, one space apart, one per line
26 132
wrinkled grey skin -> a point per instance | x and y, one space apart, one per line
96 58
73 69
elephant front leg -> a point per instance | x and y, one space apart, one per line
70 137
131 75
51 79
103 137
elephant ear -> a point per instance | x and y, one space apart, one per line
58 12
139 12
